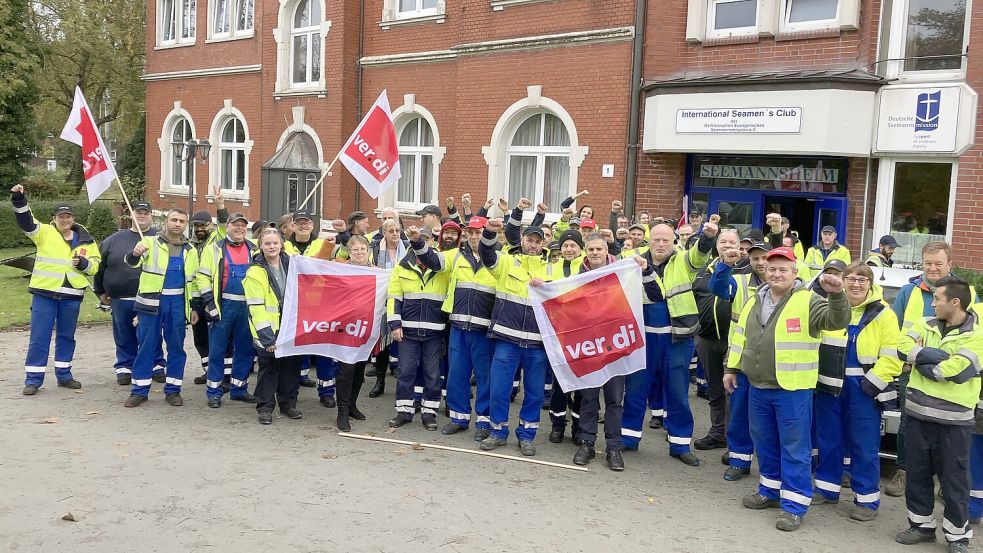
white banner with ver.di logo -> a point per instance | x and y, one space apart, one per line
591 324
332 309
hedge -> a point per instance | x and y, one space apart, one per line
975 278
98 219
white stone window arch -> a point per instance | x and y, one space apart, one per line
419 159
228 161
532 129
300 36
300 125
172 170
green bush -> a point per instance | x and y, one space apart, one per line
975 278
41 184
98 219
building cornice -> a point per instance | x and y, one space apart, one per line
209 72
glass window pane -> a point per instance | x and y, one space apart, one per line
426 133
188 18
292 191
302 17
731 15
407 5
556 132
167 22
300 59
935 28
227 169
405 189
177 135
811 10
522 178
244 15
921 199
429 4
177 168
528 133
736 214
315 57
240 132
426 179
410 134
221 17
556 181
229 132
240 169
315 12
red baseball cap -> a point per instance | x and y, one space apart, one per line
785 253
477 221
588 223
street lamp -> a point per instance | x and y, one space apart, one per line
187 153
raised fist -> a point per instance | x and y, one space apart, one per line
450 202
17 189
607 235
715 219
494 225
466 200
617 206
523 204
642 264
413 233
139 249
710 230
730 256
542 208
503 205
338 225
831 283
774 222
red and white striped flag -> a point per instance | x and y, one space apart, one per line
81 129
684 218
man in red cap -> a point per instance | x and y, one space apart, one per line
775 345
470 349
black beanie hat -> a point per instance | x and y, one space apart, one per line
572 235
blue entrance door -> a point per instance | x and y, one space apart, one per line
739 209
831 211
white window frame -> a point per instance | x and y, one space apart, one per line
165 185
786 26
884 204
283 36
496 155
417 152
233 20
711 33
178 40
309 32
420 11
215 156
235 148
898 42
410 111
391 16
540 152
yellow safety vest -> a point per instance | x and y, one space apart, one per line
676 284
263 306
53 263
814 259
154 262
208 279
948 401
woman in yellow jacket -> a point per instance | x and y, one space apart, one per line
264 284
848 425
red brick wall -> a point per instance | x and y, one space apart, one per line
967 232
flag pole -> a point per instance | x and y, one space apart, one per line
320 180
133 216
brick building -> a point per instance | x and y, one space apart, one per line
859 114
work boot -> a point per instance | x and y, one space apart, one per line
429 421
577 440
584 454
292 413
912 535
70 384
354 413
308 383
725 459
787 522
160 378
556 435
897 485
342 422
491 442
959 547
820 499
266 418
757 501
245 398
379 388
30 390
527 448
134 401
655 423
452 428
687 458
214 402
226 386
704 394
124 379
733 474
174 400
399 420
199 380
615 461
329 402
480 434
863 514
709 442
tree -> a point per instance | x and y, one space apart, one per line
18 95
132 157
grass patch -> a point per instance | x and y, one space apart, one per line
15 305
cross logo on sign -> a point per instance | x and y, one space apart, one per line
927 111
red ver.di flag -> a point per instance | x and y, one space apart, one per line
591 324
81 129
371 154
332 309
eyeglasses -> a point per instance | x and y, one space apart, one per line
856 280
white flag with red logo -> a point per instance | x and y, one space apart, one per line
81 129
684 218
371 154
591 324
332 309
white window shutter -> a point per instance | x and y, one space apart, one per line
696 20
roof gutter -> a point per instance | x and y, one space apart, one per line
634 110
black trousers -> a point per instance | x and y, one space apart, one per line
590 405
278 382
199 331
713 354
942 450
559 401
348 383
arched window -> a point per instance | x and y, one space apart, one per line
416 151
305 43
180 134
232 152
538 161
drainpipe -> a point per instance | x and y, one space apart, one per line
358 86
631 173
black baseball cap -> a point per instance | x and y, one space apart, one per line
430 209
888 240
201 217
301 214
356 216
64 208
142 204
828 228
754 235
837 264
759 246
237 217
534 230
260 224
